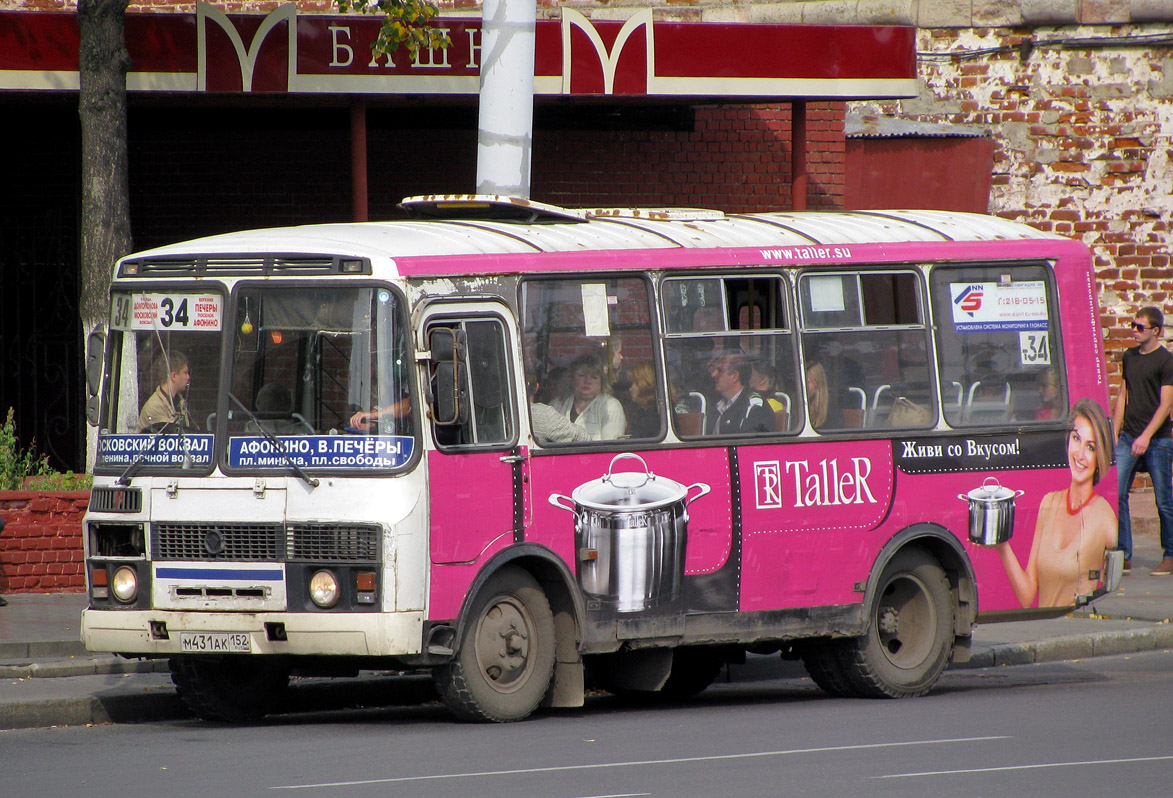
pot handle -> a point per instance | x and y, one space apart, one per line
961 496
556 500
703 490
611 468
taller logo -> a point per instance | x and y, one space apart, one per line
210 72
608 58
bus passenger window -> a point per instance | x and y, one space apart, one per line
590 360
865 346
730 356
997 332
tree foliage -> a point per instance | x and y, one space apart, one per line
406 23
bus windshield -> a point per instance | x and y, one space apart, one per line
319 371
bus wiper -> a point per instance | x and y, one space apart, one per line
134 467
277 444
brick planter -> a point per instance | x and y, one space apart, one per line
41 545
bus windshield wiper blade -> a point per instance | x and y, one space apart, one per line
277 444
134 467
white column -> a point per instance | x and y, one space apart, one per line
505 125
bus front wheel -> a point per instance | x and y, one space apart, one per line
505 661
910 631
236 689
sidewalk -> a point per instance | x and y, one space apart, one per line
48 679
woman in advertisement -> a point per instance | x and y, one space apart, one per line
1076 525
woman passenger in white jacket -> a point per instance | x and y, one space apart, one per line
590 404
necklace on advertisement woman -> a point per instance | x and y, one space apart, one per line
1076 510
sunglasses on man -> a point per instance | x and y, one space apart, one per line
1141 327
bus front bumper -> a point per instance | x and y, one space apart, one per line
162 633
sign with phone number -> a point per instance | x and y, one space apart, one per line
186 312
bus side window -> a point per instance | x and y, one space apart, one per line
729 348
997 332
484 412
590 360
865 347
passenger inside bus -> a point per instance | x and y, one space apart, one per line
590 404
549 425
822 411
643 415
740 410
763 381
168 403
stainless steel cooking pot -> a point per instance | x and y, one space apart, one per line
991 512
631 529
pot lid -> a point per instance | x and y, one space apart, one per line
990 491
628 491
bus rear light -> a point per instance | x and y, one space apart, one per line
364 582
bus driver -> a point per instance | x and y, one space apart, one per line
168 403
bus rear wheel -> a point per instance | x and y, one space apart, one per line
910 631
824 661
231 689
505 661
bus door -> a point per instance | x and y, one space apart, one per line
475 467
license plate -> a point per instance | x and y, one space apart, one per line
215 642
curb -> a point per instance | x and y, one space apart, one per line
88 666
89 710
1069 647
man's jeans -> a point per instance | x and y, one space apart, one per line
1158 459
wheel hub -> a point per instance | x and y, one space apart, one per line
889 621
504 645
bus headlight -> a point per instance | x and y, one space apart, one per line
324 589
124 584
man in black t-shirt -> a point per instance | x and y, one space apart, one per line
1140 420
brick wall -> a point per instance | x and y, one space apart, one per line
736 158
1082 118
41 545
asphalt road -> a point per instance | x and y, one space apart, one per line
1093 727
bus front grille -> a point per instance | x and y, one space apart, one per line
306 542
219 541
354 543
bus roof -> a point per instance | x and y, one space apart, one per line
479 225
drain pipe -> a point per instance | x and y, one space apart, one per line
505 122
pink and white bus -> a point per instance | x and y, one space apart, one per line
533 449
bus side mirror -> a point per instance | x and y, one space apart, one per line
95 350
447 398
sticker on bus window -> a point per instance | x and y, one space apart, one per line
594 310
993 307
826 293
187 312
1035 348
321 451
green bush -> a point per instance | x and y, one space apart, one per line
23 469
